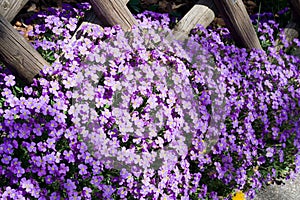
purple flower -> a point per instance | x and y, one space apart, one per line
53 169
108 190
38 130
96 180
69 156
51 143
42 171
72 24
38 161
6 159
86 192
31 147
82 169
50 158
63 169
74 196
258 92
9 80
55 196
270 152
19 171
26 185
42 146
69 185
49 179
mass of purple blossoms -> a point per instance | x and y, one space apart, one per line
43 149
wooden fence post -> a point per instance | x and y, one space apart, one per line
10 8
202 13
238 21
113 12
18 54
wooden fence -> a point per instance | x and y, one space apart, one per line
26 62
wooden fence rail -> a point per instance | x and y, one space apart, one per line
18 54
202 13
10 8
114 12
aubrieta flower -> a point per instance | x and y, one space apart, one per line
147 94
82 169
9 80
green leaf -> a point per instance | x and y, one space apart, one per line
136 9
18 89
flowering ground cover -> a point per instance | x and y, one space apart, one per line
139 116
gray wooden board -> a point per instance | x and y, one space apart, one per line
17 53
202 13
238 21
10 8
113 12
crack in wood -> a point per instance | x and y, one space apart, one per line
2 34
19 57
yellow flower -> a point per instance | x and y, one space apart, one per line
239 196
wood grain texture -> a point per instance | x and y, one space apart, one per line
114 12
18 54
238 21
10 8
202 13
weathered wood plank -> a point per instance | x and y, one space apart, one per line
113 12
202 13
18 54
10 8
238 21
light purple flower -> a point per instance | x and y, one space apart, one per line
9 80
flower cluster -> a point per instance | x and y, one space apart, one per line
138 116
